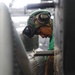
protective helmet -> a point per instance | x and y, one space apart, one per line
42 17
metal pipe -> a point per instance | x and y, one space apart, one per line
41 5
44 53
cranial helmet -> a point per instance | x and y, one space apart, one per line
42 17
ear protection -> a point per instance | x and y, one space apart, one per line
31 29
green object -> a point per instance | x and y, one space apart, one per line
51 43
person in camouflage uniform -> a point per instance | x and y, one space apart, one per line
40 23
